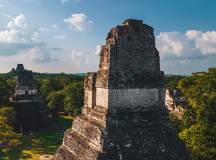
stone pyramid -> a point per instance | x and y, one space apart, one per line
124 116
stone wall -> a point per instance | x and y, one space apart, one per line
143 97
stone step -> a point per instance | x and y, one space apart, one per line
100 109
63 153
88 129
79 146
97 113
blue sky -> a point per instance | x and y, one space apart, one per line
65 35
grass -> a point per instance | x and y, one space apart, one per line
43 142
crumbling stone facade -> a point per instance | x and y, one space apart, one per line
175 102
25 82
124 116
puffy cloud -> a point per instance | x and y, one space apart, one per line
20 44
53 60
192 44
170 43
38 55
184 53
13 48
17 23
16 31
33 58
205 42
193 34
18 36
30 56
79 22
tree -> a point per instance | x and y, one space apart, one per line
46 86
9 115
199 121
73 100
171 81
5 92
55 101
9 137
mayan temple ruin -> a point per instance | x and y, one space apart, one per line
31 111
124 116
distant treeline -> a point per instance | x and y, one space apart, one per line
171 81
61 92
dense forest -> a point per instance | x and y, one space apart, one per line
197 128
63 94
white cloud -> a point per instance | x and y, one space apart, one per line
192 43
17 23
32 55
98 49
36 58
55 60
204 41
19 43
193 34
17 36
38 55
79 22
16 31
170 43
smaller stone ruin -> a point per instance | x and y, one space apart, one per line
31 111
175 102
25 82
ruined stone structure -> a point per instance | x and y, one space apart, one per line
25 82
175 102
124 116
31 111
